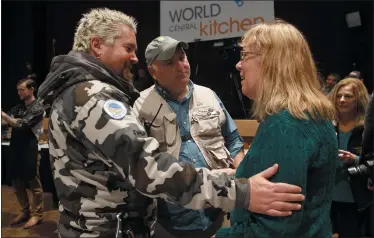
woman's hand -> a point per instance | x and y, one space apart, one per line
347 157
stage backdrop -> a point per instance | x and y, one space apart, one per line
211 20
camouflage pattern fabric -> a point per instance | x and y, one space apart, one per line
104 163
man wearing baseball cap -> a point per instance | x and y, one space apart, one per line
191 123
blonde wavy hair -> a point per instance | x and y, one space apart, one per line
360 93
288 77
101 22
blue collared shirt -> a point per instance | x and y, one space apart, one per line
175 216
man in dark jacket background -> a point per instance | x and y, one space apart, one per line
26 122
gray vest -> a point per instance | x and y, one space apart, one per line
206 119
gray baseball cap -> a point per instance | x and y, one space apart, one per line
162 48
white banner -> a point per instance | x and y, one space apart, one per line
210 20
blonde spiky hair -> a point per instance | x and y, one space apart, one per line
101 22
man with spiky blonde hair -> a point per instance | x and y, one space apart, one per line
100 22
107 170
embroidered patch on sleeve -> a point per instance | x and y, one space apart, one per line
115 109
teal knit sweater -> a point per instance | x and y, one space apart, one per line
306 151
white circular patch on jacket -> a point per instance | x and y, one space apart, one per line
115 109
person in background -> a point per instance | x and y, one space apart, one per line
191 123
26 122
295 131
331 80
355 74
350 98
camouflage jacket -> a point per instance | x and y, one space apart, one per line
103 161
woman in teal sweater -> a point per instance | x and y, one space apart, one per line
295 131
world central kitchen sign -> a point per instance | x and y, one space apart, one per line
210 20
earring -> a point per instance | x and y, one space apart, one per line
98 57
